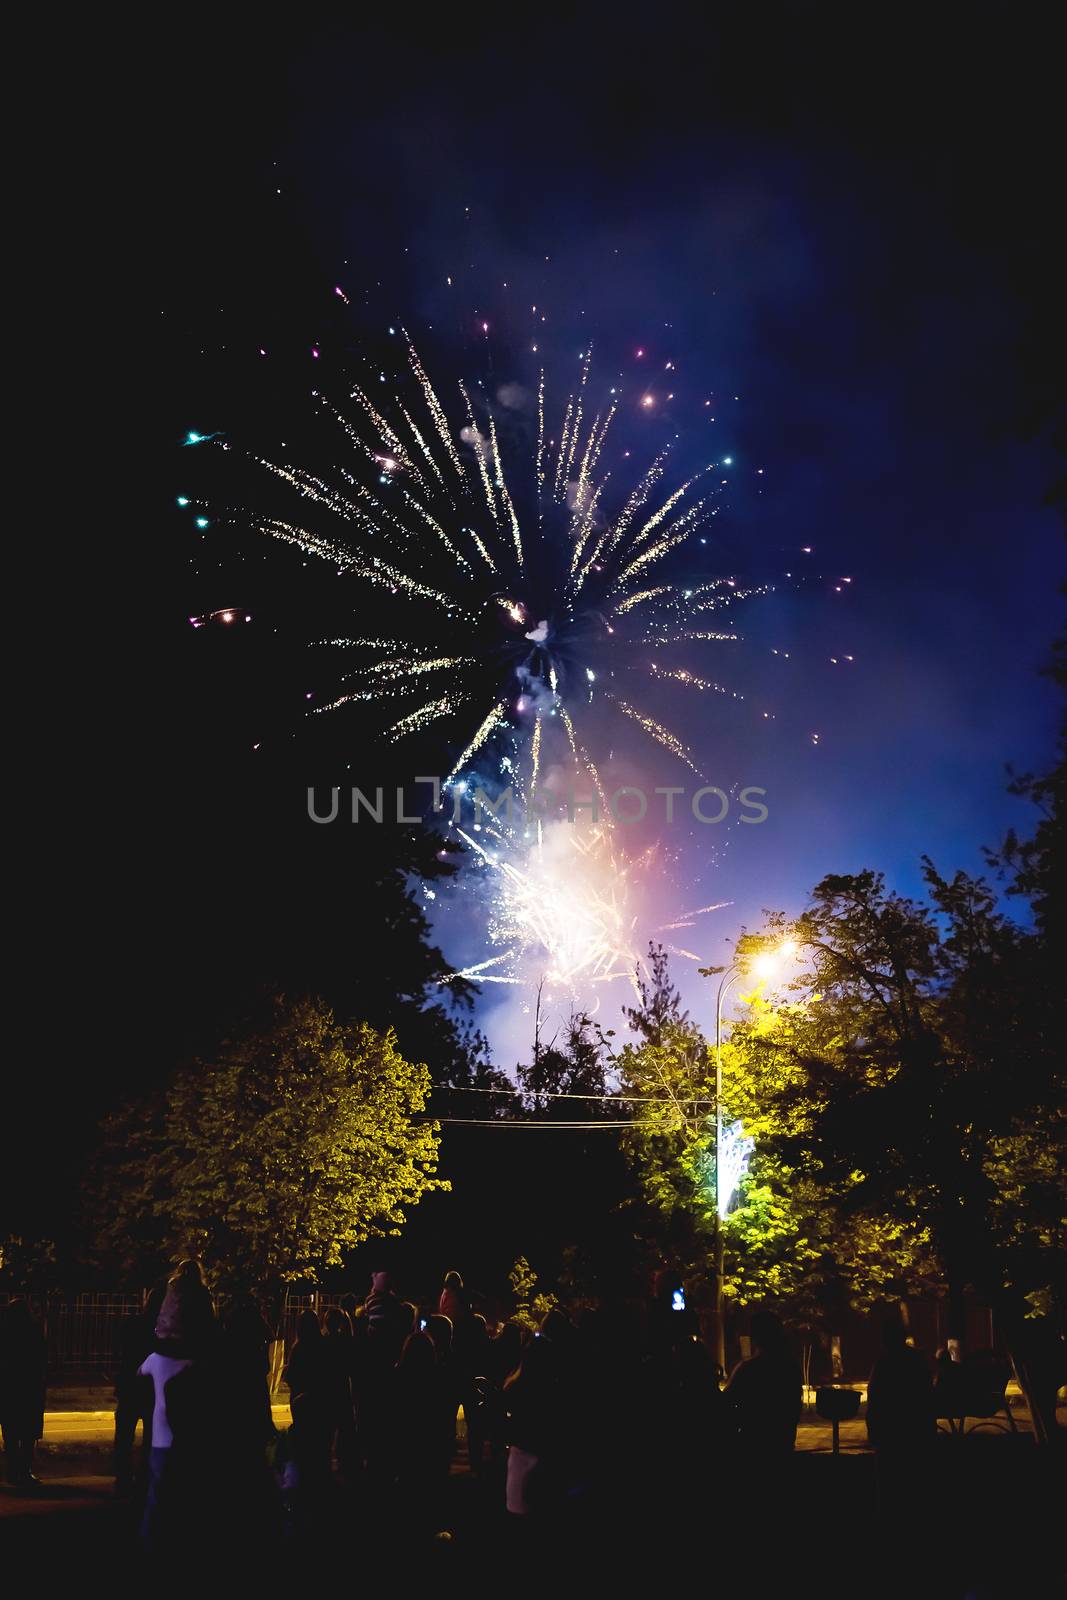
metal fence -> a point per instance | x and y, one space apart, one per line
84 1330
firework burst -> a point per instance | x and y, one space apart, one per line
560 907
513 576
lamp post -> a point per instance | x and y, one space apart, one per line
762 967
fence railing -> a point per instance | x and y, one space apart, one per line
84 1330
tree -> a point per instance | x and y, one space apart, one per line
797 1241
530 1307
1037 866
896 1084
575 1066
28 1266
671 1071
296 1141
788 1240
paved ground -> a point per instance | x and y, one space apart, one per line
91 1423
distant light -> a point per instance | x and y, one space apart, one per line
194 438
315 351
392 330
727 461
590 675
182 501
202 522
227 616
647 400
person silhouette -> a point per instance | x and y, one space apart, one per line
22 1386
900 1397
765 1393
309 1378
133 1393
179 1367
901 1424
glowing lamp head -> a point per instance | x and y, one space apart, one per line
182 501
193 438
201 522
766 964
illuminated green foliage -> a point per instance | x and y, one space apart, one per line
901 1096
292 1144
530 1307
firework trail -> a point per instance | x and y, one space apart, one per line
507 589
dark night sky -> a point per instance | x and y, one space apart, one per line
846 217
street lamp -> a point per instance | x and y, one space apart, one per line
764 966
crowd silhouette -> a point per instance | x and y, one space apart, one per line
614 1416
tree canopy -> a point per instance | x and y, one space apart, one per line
296 1141
900 1091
